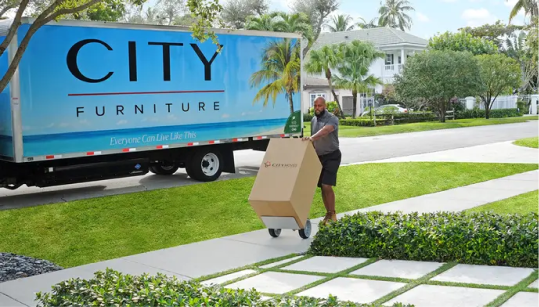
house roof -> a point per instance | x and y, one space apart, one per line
314 82
380 37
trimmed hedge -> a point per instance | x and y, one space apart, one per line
412 117
390 119
112 288
364 122
481 238
478 113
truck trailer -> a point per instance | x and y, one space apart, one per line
92 101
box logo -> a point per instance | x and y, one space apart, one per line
285 165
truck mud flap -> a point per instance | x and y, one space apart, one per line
61 175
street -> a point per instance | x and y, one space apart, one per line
354 150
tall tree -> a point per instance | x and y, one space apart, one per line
318 11
393 14
529 6
499 74
437 76
462 41
340 23
236 12
323 60
495 33
281 72
357 58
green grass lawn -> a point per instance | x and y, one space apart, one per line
349 131
520 204
86 231
528 142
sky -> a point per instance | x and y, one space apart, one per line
431 16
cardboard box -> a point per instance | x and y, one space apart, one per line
284 187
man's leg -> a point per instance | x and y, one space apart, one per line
329 195
328 181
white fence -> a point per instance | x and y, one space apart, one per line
501 102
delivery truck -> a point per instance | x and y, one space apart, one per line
92 101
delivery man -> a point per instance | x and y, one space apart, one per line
324 135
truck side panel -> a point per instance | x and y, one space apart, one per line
88 89
6 129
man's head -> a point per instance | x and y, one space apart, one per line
319 105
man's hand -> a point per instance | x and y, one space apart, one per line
308 138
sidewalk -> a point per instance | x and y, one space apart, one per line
503 152
205 258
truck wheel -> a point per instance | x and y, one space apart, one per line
164 169
205 165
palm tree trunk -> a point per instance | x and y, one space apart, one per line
335 97
291 102
354 103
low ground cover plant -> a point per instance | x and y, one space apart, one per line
112 288
482 238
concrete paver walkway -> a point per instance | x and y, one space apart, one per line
205 258
364 280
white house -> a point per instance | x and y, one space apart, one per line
396 44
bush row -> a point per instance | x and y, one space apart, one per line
365 122
412 117
478 113
390 119
481 238
112 288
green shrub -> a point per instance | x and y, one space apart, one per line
478 113
307 117
523 106
473 238
365 122
112 288
411 117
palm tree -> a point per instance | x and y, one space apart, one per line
393 15
529 7
323 60
264 22
341 23
357 59
371 24
281 68
284 22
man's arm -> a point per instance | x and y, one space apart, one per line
333 122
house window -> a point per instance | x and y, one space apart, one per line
316 95
400 59
389 59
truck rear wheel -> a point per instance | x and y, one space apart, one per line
205 165
164 169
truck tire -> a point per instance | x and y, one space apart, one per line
164 169
205 165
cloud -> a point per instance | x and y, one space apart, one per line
225 116
422 17
122 122
478 17
449 1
